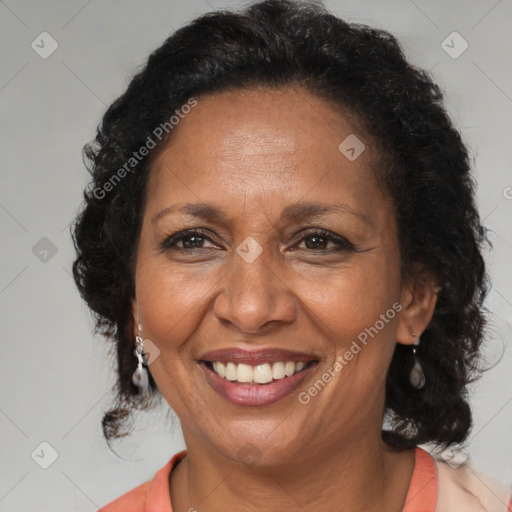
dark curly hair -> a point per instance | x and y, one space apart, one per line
422 162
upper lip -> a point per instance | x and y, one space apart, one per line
255 357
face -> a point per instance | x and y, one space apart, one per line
263 245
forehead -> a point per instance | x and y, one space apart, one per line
259 146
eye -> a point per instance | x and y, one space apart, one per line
319 239
316 241
189 239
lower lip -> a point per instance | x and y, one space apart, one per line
252 395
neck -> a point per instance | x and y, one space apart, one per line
361 475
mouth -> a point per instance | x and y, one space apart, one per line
255 378
260 374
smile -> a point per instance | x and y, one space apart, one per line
259 374
256 378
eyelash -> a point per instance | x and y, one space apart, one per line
343 243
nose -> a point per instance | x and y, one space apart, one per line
254 297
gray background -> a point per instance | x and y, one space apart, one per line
55 375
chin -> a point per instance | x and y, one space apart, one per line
259 446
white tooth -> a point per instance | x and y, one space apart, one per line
244 373
289 368
299 366
220 368
262 373
231 371
278 370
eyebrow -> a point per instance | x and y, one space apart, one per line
297 211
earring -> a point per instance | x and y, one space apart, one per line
417 377
140 376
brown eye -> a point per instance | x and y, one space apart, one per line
315 242
319 240
189 240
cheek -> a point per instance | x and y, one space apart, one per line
171 301
353 298
356 312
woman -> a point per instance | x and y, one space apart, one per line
282 229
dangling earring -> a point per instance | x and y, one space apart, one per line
140 376
417 377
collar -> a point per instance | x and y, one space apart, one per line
421 497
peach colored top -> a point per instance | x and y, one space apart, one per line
434 487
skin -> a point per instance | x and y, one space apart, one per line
253 153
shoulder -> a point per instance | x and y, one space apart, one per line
149 496
132 501
464 488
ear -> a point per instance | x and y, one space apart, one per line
135 315
418 300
